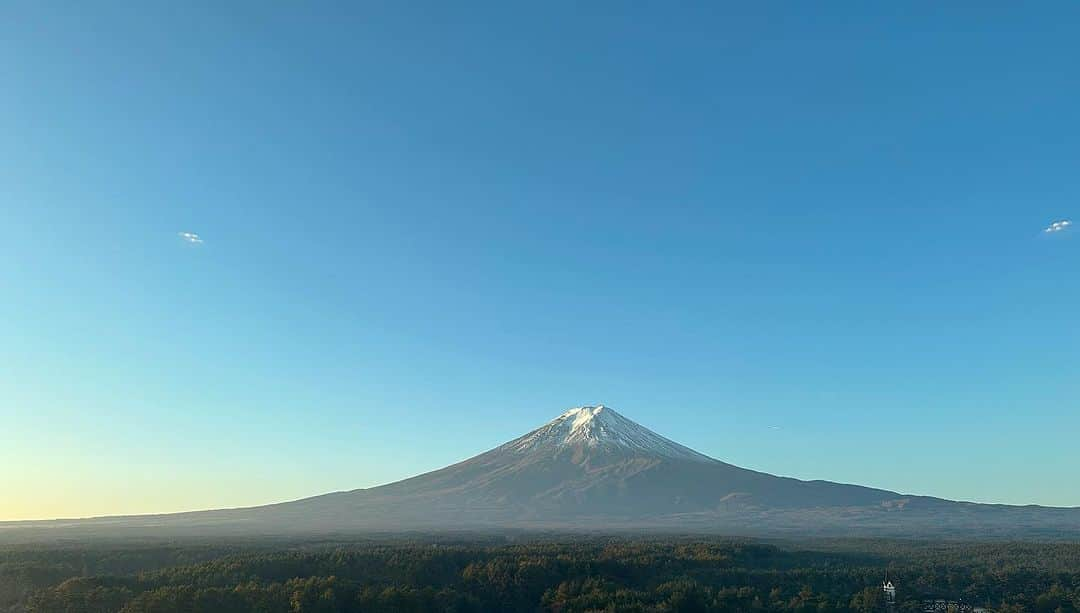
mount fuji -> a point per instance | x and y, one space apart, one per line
593 469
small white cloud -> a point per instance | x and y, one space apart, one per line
1057 226
190 237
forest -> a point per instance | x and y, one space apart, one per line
534 573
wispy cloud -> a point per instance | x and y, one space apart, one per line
1057 226
190 237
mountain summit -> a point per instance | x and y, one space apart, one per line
600 427
593 469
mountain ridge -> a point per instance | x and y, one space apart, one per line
593 469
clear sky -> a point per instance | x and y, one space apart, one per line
803 238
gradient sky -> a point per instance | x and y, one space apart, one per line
803 238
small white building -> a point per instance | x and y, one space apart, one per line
890 591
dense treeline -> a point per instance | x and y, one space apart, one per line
549 575
25 570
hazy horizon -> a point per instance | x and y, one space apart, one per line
256 253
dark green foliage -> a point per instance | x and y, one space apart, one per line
549 575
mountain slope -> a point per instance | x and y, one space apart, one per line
594 460
593 469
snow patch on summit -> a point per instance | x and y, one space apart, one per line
601 427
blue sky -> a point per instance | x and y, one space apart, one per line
800 238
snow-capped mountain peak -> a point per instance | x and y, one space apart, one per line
602 427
